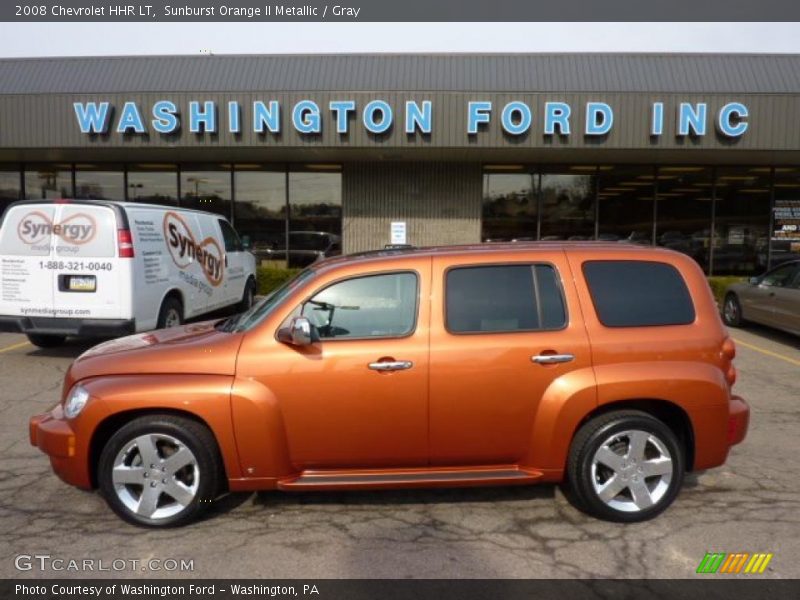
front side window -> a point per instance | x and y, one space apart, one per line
637 293
229 236
503 298
374 306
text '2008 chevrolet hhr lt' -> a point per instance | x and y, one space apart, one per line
603 366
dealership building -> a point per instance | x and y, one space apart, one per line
699 153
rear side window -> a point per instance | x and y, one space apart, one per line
633 293
503 298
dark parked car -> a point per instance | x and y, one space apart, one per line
305 247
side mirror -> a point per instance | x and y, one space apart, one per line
754 281
299 333
246 245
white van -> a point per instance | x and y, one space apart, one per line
102 268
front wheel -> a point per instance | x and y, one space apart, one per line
160 470
625 466
248 297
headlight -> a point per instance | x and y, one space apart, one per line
75 402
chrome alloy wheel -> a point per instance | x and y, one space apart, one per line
632 470
155 476
731 310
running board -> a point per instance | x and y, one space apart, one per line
365 479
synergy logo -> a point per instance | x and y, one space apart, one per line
35 226
185 250
741 562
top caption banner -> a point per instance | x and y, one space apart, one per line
403 11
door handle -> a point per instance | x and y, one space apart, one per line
551 359
391 365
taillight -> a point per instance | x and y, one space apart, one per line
124 243
729 349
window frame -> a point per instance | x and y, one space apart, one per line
321 289
626 260
532 265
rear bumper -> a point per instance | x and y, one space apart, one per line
738 420
54 436
68 326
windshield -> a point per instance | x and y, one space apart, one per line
262 309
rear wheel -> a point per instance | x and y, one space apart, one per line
46 341
171 313
732 311
160 470
625 466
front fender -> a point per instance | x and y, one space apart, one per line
260 435
206 397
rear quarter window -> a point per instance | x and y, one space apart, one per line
633 293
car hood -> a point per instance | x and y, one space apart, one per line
196 348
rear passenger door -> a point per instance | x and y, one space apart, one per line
503 334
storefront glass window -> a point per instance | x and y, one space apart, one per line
509 207
625 204
568 210
208 190
786 221
683 213
9 187
742 221
315 214
48 181
155 184
260 211
99 182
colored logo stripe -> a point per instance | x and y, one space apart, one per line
721 562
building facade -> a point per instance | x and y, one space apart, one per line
698 153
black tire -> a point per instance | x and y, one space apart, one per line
46 341
195 436
588 441
248 296
732 311
170 309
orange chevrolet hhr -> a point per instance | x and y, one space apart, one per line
602 365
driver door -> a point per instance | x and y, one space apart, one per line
341 406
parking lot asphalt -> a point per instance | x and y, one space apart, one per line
752 504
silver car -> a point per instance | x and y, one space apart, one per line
771 299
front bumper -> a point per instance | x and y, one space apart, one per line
738 420
68 326
53 435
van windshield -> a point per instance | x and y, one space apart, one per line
262 309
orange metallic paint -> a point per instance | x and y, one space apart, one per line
305 417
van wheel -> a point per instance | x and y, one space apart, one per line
160 470
46 341
732 311
171 313
248 297
625 466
